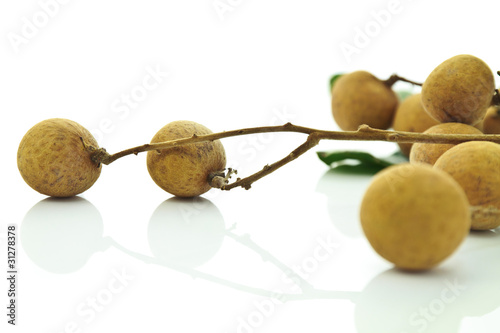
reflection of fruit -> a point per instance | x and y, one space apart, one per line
411 117
414 216
54 158
438 302
430 152
491 121
474 165
60 235
183 171
459 90
361 98
186 232
396 302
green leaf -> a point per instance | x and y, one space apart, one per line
356 169
333 79
359 162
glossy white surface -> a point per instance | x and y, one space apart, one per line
286 256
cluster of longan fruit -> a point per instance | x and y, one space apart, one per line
56 158
416 214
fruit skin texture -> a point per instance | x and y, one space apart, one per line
183 171
360 98
491 121
414 216
54 161
430 152
474 165
411 117
459 90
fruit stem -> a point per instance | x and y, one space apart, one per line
219 179
495 100
364 133
395 78
288 127
246 183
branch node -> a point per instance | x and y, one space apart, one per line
393 137
314 139
219 179
364 128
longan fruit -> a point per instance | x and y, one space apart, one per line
430 152
460 90
360 98
411 117
54 158
183 171
414 216
491 121
474 165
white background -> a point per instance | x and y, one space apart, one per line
244 63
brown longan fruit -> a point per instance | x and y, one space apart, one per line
414 216
460 90
430 152
491 121
54 158
183 171
474 165
411 117
360 98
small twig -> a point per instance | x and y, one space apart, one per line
246 183
395 78
364 133
371 134
108 159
